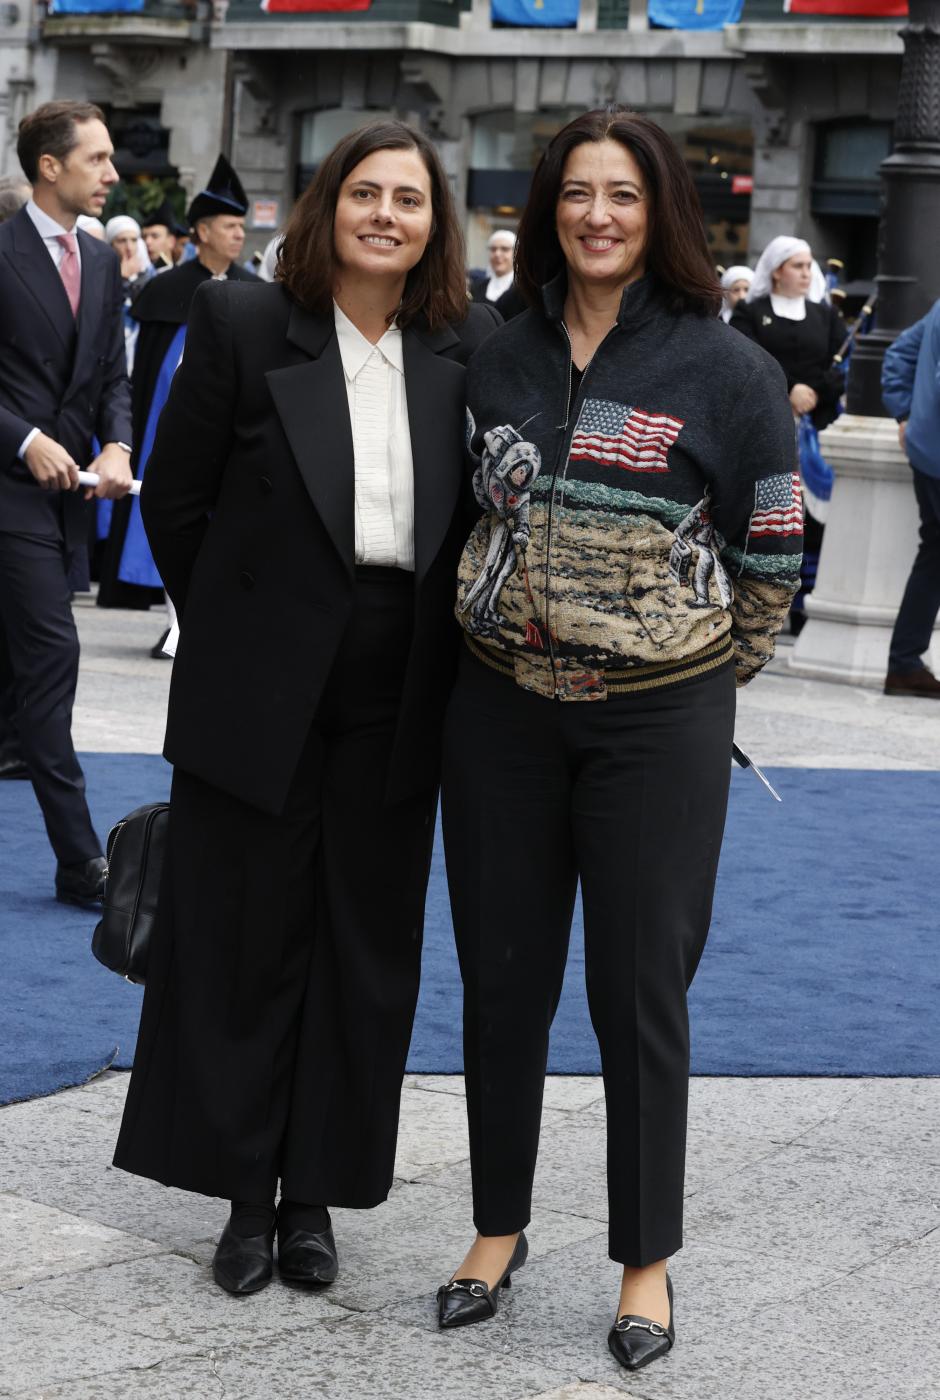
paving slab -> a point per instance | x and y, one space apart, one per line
38 1241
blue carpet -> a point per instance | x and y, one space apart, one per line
823 957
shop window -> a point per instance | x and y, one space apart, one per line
846 180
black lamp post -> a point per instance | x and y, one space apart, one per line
908 279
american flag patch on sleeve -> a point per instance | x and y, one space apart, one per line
615 435
778 506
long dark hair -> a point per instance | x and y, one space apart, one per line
435 288
676 250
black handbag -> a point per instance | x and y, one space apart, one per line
135 862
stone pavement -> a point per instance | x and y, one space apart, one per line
812 1263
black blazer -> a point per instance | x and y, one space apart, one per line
803 349
68 380
249 509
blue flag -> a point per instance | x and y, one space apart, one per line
96 7
552 14
694 14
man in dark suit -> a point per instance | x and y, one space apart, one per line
63 380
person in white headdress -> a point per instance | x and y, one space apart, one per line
784 312
801 331
492 284
91 225
123 234
735 282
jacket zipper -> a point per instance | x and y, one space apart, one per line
563 455
551 505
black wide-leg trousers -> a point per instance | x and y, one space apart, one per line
629 795
285 964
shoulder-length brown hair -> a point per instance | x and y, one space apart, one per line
676 250
435 288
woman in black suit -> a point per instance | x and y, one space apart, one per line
303 504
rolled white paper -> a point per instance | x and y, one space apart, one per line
91 479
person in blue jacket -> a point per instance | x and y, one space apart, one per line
910 388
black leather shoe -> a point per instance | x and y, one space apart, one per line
157 652
307 1258
467 1300
636 1341
81 884
12 766
243 1266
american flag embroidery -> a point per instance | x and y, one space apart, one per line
778 506
617 436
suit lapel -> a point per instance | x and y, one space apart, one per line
435 390
311 402
39 274
91 305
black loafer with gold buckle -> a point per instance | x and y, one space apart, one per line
636 1341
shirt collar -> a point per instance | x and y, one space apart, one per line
355 349
45 226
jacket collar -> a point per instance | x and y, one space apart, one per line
636 304
311 331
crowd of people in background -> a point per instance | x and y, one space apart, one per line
785 303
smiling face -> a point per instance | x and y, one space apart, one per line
81 182
792 278
384 216
602 214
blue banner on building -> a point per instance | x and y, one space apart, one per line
552 14
694 14
96 7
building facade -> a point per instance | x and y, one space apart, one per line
783 119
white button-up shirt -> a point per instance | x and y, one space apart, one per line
49 232
378 414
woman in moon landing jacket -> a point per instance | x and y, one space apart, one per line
635 462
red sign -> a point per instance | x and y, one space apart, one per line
876 9
742 184
296 7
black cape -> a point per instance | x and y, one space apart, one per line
161 308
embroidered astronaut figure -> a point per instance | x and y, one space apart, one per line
698 529
501 483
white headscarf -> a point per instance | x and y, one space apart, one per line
738 273
121 223
778 251
89 224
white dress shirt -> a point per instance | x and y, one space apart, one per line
49 231
378 415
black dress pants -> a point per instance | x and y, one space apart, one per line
629 794
279 1005
917 615
38 675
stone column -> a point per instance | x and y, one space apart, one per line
871 529
868 549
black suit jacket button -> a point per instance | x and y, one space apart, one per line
265 483
246 579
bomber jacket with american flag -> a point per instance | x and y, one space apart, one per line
640 527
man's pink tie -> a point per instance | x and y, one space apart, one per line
69 270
